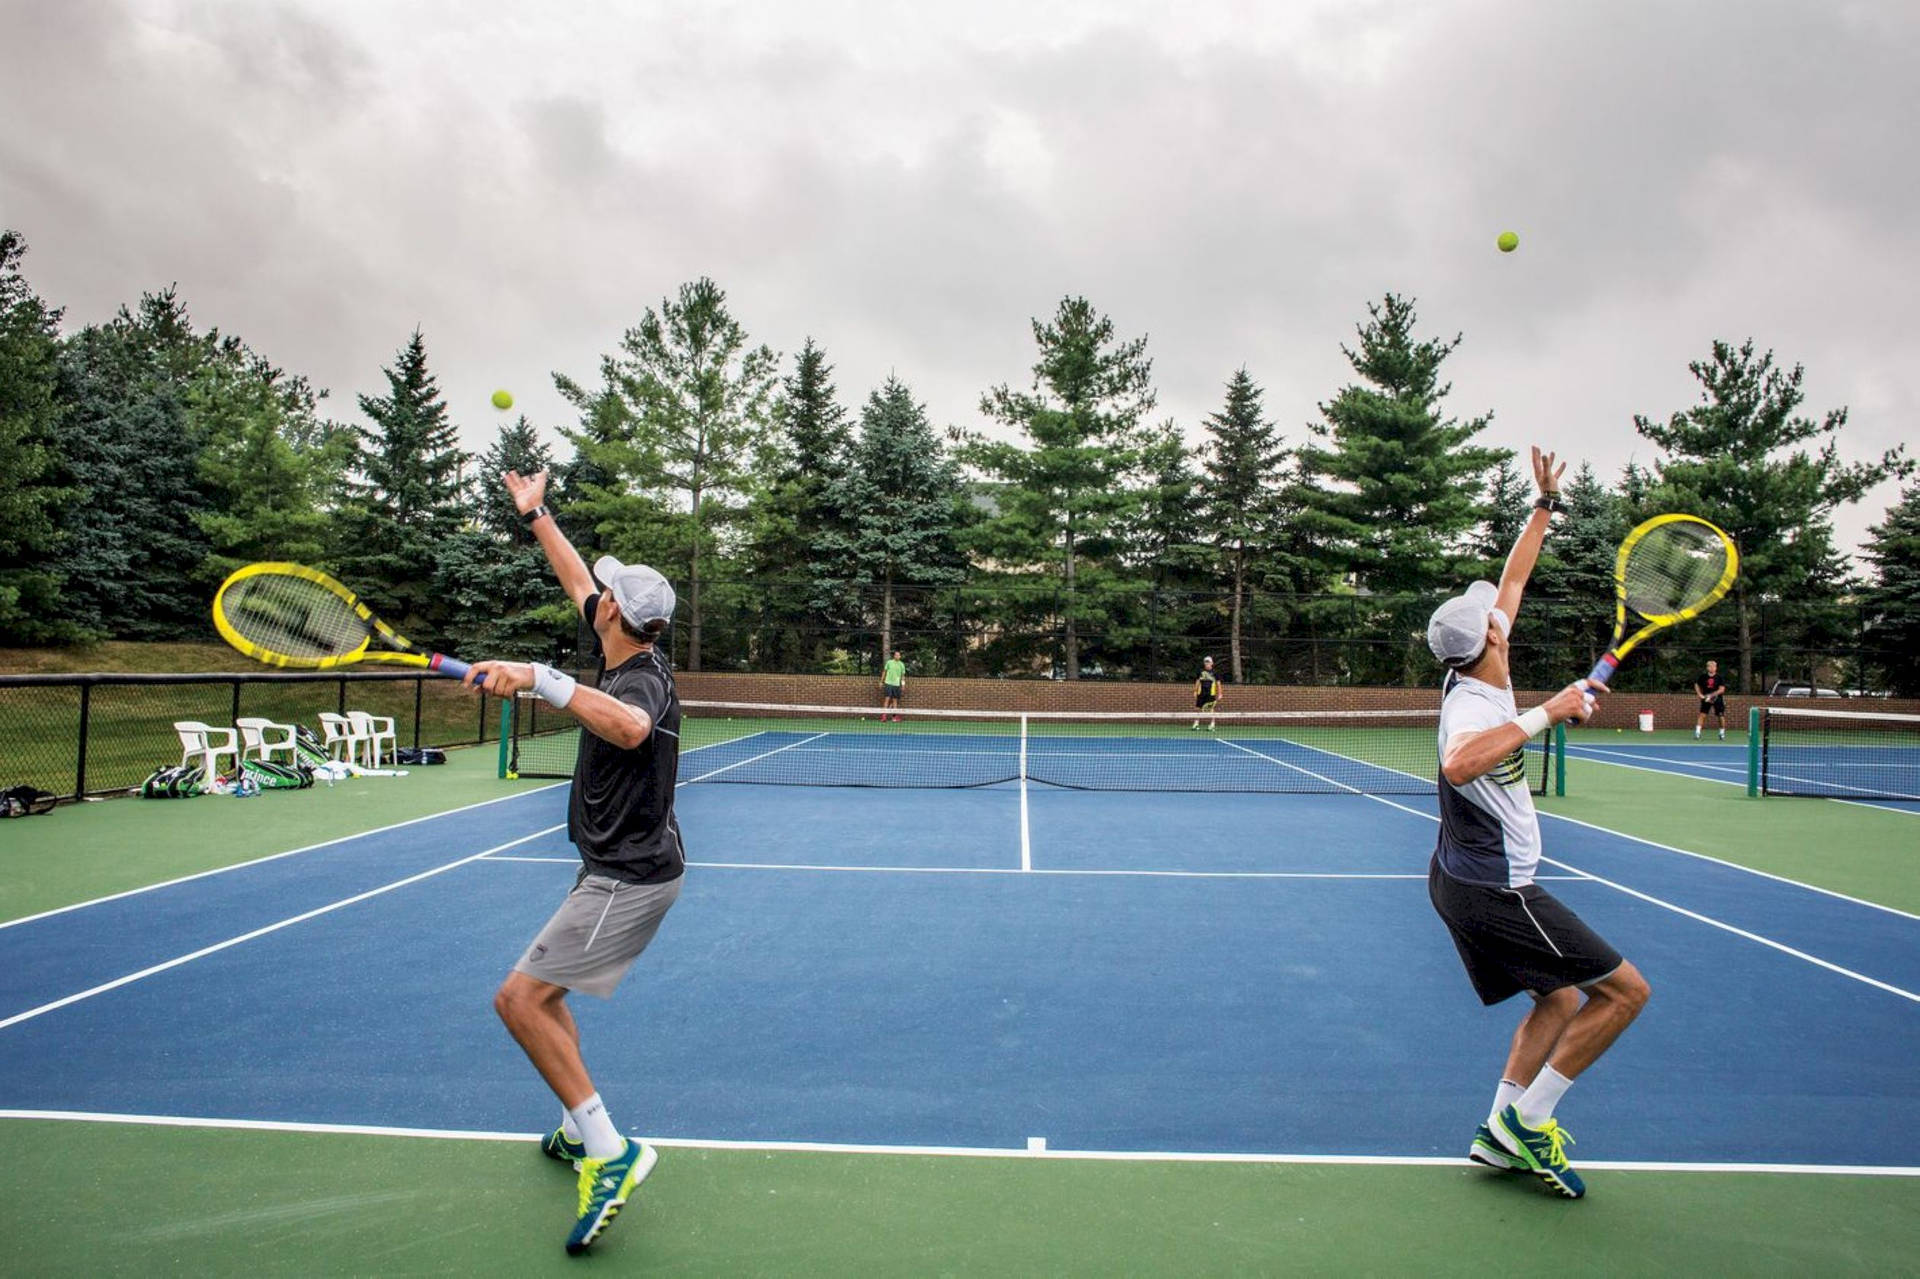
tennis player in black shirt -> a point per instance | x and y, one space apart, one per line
621 818
1712 692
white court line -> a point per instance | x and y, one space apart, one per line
1595 753
1707 857
1295 767
1705 919
204 951
1589 755
1008 870
1026 829
257 861
1741 932
743 762
1035 1147
221 870
1868 803
1669 848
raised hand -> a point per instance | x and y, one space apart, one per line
527 491
1546 476
1573 704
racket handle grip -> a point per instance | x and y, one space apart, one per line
454 668
1603 669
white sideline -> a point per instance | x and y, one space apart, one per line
204 951
1035 1147
270 857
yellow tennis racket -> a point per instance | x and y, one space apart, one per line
1669 569
292 615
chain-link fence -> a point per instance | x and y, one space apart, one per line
78 735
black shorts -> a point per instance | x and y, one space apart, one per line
1515 939
1713 705
890 690
1201 702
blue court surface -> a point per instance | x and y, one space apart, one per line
990 968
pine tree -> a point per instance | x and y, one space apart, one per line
266 464
1893 599
31 413
1063 494
808 457
1509 502
406 497
492 577
132 543
1170 552
518 447
896 507
1245 478
682 412
1733 459
1398 488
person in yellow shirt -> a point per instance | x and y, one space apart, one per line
1206 695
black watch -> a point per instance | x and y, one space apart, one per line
533 515
1548 502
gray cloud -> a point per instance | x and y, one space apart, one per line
911 188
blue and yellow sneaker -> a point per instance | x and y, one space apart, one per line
1486 1149
556 1146
604 1187
1543 1149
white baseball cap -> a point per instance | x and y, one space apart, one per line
642 594
1457 631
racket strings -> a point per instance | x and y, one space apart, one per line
293 617
1674 568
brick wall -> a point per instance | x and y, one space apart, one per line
1670 710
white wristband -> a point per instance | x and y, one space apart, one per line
551 686
1533 722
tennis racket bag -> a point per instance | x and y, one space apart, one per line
26 801
276 776
419 755
173 781
307 748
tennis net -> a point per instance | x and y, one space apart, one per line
1839 754
1355 752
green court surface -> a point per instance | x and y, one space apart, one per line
1865 852
86 1198
83 851
116 1199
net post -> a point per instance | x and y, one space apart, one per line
1560 760
506 733
1753 752
1023 746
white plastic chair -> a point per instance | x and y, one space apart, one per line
263 739
375 729
205 744
341 732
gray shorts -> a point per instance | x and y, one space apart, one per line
597 933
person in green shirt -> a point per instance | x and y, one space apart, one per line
891 681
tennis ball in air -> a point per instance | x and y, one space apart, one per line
1508 242
502 399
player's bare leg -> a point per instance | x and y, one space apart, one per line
536 1015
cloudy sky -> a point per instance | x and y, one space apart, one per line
911 183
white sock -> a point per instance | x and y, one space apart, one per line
1508 1093
1542 1095
1696 734
569 1129
596 1129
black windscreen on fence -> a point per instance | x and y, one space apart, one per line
79 735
